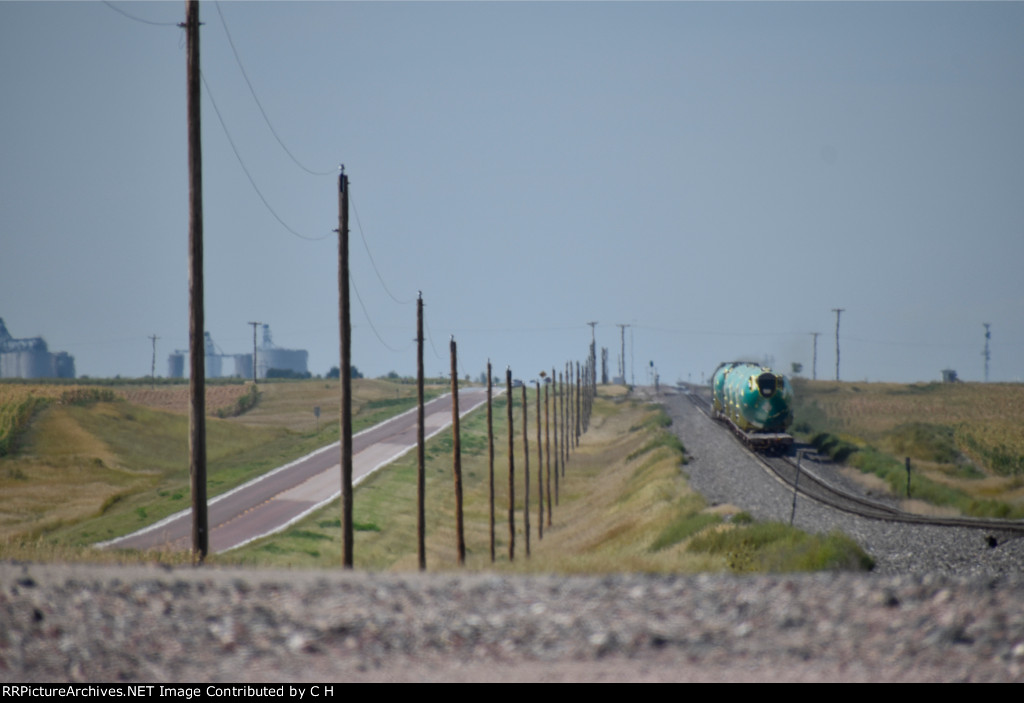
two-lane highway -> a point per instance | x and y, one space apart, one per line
280 497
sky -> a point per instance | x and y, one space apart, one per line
718 176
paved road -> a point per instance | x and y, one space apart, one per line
280 497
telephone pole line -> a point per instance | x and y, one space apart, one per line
345 328
254 326
457 457
197 359
814 362
987 354
622 352
421 462
592 380
838 312
152 368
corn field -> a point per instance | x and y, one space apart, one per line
987 420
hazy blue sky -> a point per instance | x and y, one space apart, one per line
719 176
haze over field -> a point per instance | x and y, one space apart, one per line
720 176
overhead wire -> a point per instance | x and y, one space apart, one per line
248 175
370 321
263 112
373 263
139 19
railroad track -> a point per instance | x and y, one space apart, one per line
792 472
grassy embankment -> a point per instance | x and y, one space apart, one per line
964 440
623 505
82 464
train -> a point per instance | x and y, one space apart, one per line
755 402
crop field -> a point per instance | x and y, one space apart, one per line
175 398
19 402
966 436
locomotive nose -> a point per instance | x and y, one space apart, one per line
767 384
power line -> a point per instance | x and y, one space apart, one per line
248 175
260 105
380 339
373 263
139 19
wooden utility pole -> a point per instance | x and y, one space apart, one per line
457 458
152 368
547 440
838 312
490 449
558 449
622 353
592 379
540 472
254 326
814 357
421 445
345 328
526 474
511 469
579 403
197 359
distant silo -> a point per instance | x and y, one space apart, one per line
176 365
30 358
271 357
243 365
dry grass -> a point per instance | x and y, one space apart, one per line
611 507
86 471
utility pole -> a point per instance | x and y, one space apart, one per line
540 472
197 359
986 353
490 449
622 353
526 473
254 326
838 312
511 468
345 330
152 369
558 390
592 379
457 457
814 362
421 464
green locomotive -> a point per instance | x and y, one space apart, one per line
756 402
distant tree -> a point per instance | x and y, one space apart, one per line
797 367
355 372
335 372
287 373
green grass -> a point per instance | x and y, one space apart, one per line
776 547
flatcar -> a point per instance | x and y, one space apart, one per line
755 402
